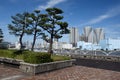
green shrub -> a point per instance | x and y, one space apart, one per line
36 58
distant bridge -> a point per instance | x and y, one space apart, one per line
94 55
89 52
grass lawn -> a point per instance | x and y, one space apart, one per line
60 58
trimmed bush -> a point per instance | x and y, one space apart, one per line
37 58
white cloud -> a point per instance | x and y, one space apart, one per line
50 3
98 19
111 13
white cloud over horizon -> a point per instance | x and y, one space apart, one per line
109 14
50 3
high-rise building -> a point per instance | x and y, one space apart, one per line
87 32
92 35
99 34
74 36
102 35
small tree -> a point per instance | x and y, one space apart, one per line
54 27
35 21
19 26
1 35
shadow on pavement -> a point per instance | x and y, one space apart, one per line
108 65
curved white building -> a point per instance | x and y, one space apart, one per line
92 37
97 33
102 35
87 31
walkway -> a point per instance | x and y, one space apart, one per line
9 73
70 73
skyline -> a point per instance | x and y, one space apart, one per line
78 13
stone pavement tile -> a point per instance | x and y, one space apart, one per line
77 73
70 73
9 73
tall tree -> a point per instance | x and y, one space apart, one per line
19 25
35 20
1 35
54 27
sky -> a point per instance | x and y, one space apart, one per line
78 13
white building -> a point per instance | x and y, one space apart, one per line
67 46
74 36
91 35
87 33
62 45
99 35
106 44
88 46
58 45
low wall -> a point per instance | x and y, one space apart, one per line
10 60
95 57
39 68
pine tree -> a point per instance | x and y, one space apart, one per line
19 26
35 21
54 27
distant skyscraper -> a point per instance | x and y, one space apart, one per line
92 35
87 32
102 35
74 36
99 34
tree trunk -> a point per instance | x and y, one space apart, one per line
51 44
34 40
20 40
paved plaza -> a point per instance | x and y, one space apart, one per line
71 73
10 73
